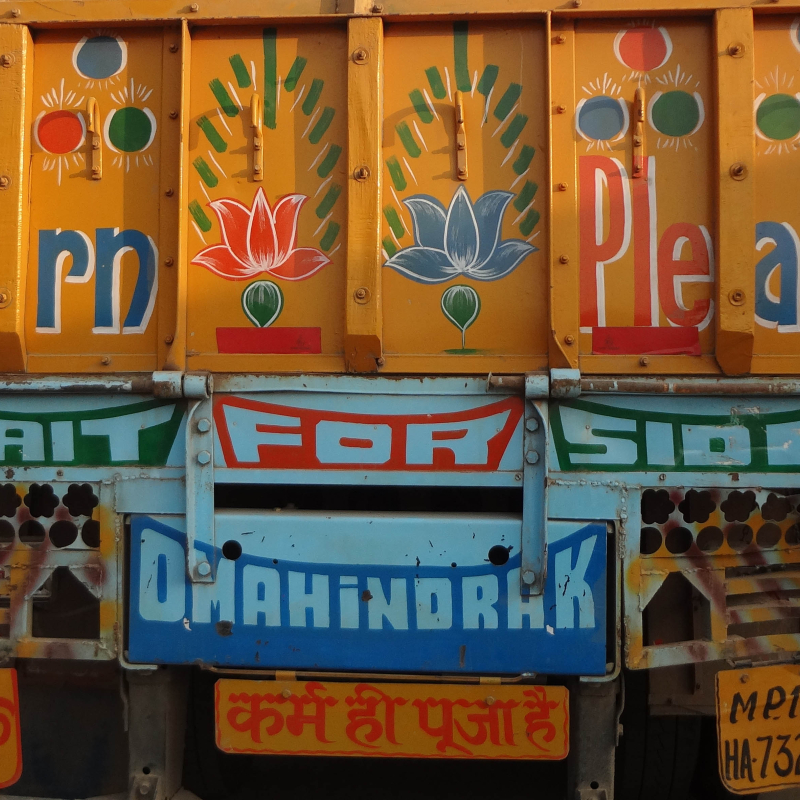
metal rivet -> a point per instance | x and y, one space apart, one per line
563 259
662 476
105 360
194 8
360 56
361 295
738 171
637 140
532 457
377 8
286 694
173 114
6 60
528 576
173 48
144 788
204 457
577 3
490 701
736 296
169 339
361 173
644 361
560 39
169 192
736 49
5 181
561 109
169 261
381 362
532 424
5 298
562 187
203 569
203 425
569 339
15 12
744 677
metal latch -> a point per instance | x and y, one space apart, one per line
638 133
534 490
197 388
461 139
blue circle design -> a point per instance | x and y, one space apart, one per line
601 118
99 57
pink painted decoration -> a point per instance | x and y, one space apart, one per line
260 240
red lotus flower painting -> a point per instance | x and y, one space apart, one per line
261 240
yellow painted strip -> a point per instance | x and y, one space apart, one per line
733 37
176 357
170 221
10 739
363 318
74 11
16 49
563 186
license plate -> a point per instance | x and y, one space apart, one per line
391 719
758 719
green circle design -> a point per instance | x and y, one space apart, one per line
778 116
675 113
130 129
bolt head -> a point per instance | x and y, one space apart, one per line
562 187
736 297
5 181
169 192
560 39
532 457
15 12
563 259
203 425
169 261
174 47
744 677
490 701
360 56
361 173
381 362
561 109
6 59
105 360
5 298
203 569
644 361
532 424
173 114
286 694
377 8
569 339
194 8
169 339
528 576
204 457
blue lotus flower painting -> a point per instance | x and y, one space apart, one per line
462 241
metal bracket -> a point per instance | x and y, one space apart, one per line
534 492
199 477
198 389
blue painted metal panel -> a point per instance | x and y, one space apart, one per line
369 592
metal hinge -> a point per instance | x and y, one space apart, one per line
197 388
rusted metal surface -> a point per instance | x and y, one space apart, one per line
691 386
717 577
58 571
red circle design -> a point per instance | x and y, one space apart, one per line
642 49
60 132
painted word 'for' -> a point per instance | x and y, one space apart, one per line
103 260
